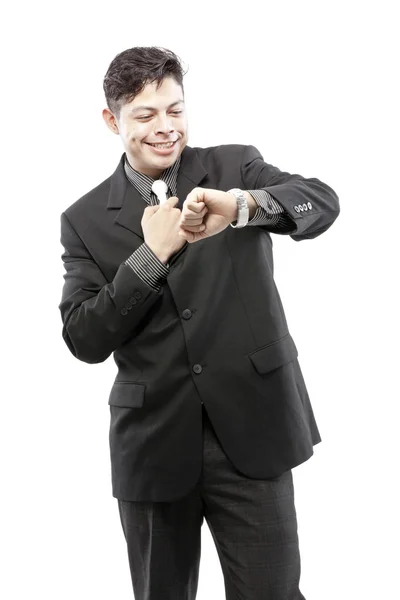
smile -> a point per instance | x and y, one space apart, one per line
165 145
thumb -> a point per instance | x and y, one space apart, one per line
173 201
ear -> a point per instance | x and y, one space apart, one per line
110 120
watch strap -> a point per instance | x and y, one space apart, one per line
243 208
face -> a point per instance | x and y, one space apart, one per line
152 117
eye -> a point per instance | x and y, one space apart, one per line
175 112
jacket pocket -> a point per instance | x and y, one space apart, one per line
274 355
127 394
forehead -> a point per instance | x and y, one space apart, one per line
169 93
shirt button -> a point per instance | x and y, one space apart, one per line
197 368
187 313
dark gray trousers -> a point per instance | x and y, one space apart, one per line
252 521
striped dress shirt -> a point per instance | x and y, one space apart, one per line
147 265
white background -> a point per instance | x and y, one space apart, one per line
313 86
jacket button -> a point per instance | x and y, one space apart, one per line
296 208
305 206
138 295
124 311
309 205
197 368
133 300
187 313
128 306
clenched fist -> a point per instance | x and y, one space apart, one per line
212 208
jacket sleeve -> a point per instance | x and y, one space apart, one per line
98 316
311 204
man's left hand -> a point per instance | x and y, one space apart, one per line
212 209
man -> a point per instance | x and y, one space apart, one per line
209 409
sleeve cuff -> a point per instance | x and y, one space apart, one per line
271 213
148 267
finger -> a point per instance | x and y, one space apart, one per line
187 235
196 206
149 211
193 206
197 194
190 222
193 228
191 215
173 200
192 219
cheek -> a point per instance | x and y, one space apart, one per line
140 131
124 131
132 131
184 125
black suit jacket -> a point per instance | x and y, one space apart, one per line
216 332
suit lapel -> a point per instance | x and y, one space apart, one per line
129 205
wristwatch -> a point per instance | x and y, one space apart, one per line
243 208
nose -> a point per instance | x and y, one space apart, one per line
164 125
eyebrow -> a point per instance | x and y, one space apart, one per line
152 108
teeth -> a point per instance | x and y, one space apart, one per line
163 145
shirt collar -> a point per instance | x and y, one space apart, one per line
144 182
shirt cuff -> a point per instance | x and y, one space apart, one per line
148 267
271 213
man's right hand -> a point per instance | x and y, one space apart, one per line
160 226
